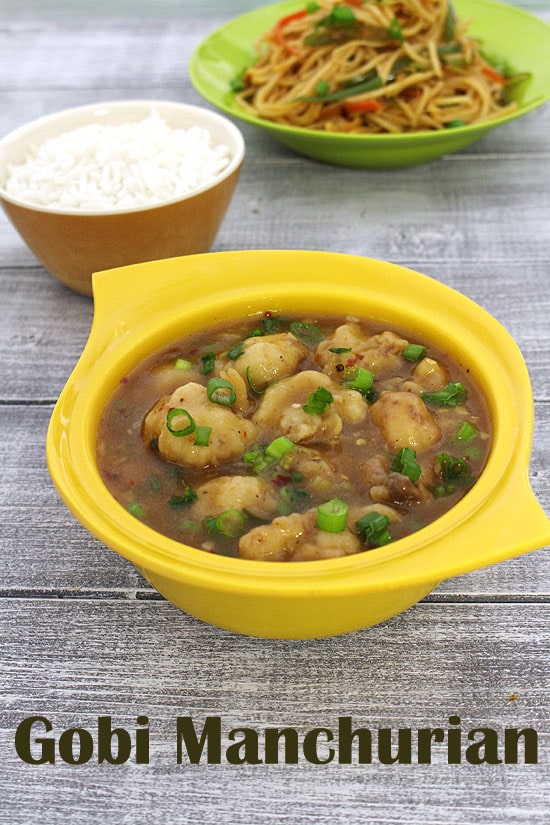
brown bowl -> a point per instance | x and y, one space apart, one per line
72 243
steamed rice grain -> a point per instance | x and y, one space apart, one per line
104 167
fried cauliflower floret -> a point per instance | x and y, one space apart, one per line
268 358
381 354
358 511
255 495
317 471
281 408
427 376
230 434
385 485
296 538
405 421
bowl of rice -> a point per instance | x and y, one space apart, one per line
110 184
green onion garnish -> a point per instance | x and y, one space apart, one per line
455 124
318 401
405 463
452 395
414 352
361 380
182 364
202 436
339 350
291 496
332 516
136 510
230 523
236 351
279 447
308 333
208 362
221 392
373 529
251 383
187 429
187 497
455 471
466 432
189 525
155 483
256 460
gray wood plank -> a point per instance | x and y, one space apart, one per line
127 659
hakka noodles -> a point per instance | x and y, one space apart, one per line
374 67
293 439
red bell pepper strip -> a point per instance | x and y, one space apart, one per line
363 106
492 74
281 24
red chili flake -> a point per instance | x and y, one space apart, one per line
132 483
124 380
359 356
351 362
281 481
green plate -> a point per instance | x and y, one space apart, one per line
507 33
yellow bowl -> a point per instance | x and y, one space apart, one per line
73 243
139 309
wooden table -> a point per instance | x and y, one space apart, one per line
82 634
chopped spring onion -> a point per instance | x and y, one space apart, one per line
251 383
405 463
308 333
187 497
322 87
318 401
452 395
155 483
466 432
189 525
136 510
291 496
454 472
332 516
202 436
208 362
279 447
373 529
221 392
414 352
339 350
182 364
455 124
361 379
256 459
230 523
186 429
236 351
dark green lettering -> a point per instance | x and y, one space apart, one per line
211 736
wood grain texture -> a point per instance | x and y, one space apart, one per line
376 676
81 632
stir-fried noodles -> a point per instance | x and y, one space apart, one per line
373 66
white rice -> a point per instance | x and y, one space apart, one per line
102 167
